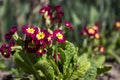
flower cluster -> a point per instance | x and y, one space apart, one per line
53 16
91 32
6 50
8 36
117 24
100 49
37 39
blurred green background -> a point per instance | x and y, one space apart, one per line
78 12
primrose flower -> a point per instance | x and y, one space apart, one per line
50 38
102 49
31 46
91 32
68 25
117 24
13 29
8 36
41 51
5 50
83 31
44 9
59 36
29 30
42 37
59 11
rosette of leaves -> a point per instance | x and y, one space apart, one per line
69 67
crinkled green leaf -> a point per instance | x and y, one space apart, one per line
70 51
63 57
22 62
81 68
84 65
91 72
46 69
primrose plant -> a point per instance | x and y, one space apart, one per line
45 53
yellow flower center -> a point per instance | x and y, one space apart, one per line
118 24
30 30
40 50
59 36
91 31
40 35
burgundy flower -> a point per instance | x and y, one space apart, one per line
13 30
83 31
42 34
56 56
8 36
91 31
41 51
59 36
59 11
29 30
68 25
31 46
44 9
5 50
102 49
117 24
58 19
12 43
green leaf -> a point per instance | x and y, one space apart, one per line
62 54
22 62
70 51
103 69
100 61
84 65
46 69
92 71
81 68
56 69
94 14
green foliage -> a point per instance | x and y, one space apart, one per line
70 66
21 61
103 69
92 71
46 69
